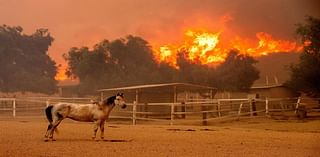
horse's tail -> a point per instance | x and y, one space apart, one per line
49 117
49 113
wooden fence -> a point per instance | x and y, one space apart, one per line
191 111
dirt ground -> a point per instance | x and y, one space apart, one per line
256 137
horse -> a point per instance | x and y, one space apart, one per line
97 112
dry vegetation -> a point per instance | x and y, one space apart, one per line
255 137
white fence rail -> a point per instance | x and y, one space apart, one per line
191 111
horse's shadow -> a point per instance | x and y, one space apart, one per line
116 140
90 140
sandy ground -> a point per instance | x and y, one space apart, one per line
258 137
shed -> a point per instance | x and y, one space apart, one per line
157 100
263 91
166 92
274 91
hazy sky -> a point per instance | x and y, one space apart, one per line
86 22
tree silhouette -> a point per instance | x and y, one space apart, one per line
236 73
305 75
24 62
120 62
130 61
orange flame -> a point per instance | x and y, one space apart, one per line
60 76
203 47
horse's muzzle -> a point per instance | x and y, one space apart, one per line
124 106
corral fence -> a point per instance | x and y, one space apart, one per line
191 111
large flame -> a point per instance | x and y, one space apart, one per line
203 47
60 76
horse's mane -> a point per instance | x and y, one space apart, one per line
109 101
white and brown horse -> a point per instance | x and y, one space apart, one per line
96 112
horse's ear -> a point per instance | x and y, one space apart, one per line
120 94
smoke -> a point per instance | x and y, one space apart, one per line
81 23
149 18
246 18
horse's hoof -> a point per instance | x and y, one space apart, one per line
46 140
52 139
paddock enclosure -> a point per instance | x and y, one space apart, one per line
171 104
247 137
182 120
274 133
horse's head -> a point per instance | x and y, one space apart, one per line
115 100
119 100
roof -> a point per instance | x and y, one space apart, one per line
66 83
184 86
268 86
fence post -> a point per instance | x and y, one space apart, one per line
297 105
172 114
282 107
267 107
14 108
134 110
145 110
183 109
204 115
219 107
250 104
239 112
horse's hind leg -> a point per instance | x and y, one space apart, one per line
53 126
47 133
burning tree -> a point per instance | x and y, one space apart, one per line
205 47
130 61
125 61
237 72
306 74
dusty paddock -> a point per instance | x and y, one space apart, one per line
258 137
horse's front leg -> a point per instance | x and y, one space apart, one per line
95 128
102 129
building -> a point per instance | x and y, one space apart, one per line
159 101
265 91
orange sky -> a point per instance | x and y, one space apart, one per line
86 22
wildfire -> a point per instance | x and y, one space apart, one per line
60 76
203 47
206 47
